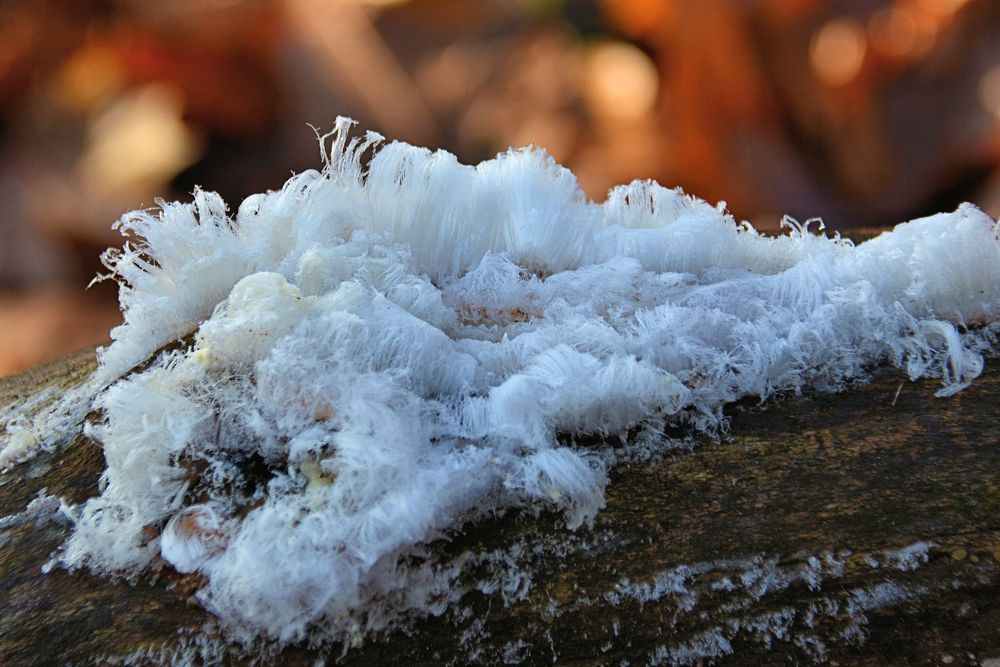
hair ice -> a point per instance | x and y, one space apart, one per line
382 354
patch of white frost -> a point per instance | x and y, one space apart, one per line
42 508
42 423
849 610
751 578
713 643
515 653
907 559
382 354
881 595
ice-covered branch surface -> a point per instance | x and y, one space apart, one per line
382 354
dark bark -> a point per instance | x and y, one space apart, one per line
787 528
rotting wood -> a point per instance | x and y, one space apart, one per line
779 544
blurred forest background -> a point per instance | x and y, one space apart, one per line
863 112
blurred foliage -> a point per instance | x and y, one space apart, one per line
863 112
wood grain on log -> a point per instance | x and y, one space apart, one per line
855 528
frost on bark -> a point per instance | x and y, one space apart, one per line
853 528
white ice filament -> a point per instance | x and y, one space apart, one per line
383 354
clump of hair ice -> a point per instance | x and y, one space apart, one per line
378 354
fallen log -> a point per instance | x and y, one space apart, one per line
856 528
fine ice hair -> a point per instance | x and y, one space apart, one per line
378 354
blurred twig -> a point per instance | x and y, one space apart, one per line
347 47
